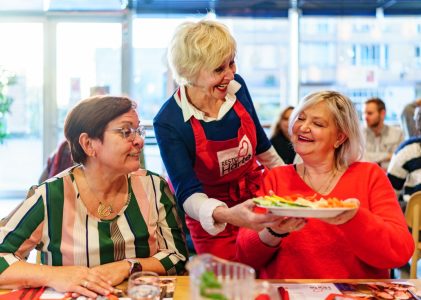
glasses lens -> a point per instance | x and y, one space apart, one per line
140 131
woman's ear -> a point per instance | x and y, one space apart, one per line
339 141
86 143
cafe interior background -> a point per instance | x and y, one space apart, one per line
56 52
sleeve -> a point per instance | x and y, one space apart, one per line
171 241
252 251
179 161
378 234
249 247
396 172
200 207
22 231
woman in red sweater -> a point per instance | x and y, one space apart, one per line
361 243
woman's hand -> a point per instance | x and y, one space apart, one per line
80 281
286 225
289 224
242 215
117 272
345 216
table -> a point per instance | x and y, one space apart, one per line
182 288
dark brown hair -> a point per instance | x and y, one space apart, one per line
379 102
91 116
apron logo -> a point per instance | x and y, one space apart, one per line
233 158
243 149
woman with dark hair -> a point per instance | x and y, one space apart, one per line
279 136
100 220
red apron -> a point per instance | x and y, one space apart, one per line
229 172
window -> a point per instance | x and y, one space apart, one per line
418 56
317 54
21 152
370 55
88 63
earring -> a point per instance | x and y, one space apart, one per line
336 145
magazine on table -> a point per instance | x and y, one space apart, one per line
351 291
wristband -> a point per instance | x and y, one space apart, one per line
278 235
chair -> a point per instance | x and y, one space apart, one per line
412 216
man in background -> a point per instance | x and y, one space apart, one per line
381 139
404 170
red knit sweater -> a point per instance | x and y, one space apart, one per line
375 240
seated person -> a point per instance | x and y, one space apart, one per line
280 137
404 171
59 161
360 243
407 119
381 140
99 220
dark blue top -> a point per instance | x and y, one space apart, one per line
177 145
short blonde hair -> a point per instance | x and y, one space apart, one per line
346 121
199 45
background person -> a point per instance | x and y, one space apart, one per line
381 140
100 219
360 243
279 136
404 170
59 161
407 119
210 138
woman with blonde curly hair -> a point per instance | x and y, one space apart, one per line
211 139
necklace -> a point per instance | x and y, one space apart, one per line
103 210
323 188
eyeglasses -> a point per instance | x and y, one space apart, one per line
129 133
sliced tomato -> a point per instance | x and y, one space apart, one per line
262 297
260 210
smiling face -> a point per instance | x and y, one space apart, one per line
213 84
116 152
314 133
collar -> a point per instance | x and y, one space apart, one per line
189 110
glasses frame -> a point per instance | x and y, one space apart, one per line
140 131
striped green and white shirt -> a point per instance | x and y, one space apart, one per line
57 223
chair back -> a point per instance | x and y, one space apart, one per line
412 216
413 212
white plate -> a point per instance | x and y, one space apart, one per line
304 212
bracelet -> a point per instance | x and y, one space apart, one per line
278 235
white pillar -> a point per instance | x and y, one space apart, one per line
127 55
294 56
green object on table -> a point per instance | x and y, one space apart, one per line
210 286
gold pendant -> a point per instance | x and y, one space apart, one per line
104 210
